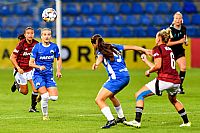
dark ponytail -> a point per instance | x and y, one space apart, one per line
106 49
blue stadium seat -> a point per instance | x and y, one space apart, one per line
118 20
139 32
36 24
189 7
192 31
10 23
6 33
105 20
71 9
132 20
126 32
168 19
151 31
137 8
158 20
25 21
92 20
100 30
145 20
85 8
18 9
150 7
175 7
72 32
112 32
97 8
86 32
125 8
186 19
79 21
111 8
66 21
196 19
163 8
5 10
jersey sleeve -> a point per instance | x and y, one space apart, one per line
119 47
57 52
34 51
17 49
156 52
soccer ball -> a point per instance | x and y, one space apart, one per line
49 15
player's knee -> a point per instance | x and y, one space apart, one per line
24 91
45 96
53 98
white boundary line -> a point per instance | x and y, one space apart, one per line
162 113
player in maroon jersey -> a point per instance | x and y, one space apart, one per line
22 72
168 79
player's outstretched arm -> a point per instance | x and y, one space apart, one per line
138 48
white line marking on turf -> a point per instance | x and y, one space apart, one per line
161 113
17 117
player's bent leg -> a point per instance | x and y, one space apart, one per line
182 65
44 102
120 115
140 95
23 89
100 101
53 93
180 109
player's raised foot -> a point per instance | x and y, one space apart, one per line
33 110
120 120
38 98
186 124
109 124
45 118
133 123
14 86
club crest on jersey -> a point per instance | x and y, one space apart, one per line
52 52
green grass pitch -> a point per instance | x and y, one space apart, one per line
76 112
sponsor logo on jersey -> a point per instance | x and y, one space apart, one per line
26 54
46 57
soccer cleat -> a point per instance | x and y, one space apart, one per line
120 120
133 123
109 124
15 86
45 118
33 110
38 98
186 124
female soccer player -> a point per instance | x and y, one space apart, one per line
42 58
111 57
22 72
178 31
168 79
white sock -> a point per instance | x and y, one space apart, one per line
119 111
107 113
44 103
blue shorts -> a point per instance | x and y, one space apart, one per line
116 85
43 80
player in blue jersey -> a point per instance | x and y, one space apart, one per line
110 56
42 58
